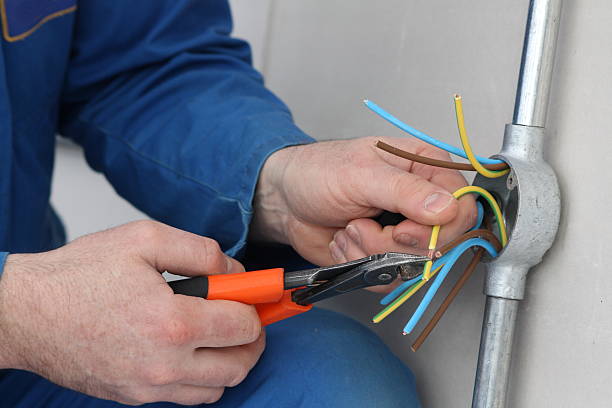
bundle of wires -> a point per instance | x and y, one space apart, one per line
448 254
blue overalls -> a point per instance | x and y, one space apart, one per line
169 108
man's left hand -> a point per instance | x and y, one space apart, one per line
321 198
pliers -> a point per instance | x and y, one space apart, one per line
278 295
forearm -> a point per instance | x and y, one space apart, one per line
188 112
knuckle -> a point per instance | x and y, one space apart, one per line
406 186
251 329
212 250
159 375
175 332
244 327
369 140
145 231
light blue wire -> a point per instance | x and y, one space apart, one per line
420 135
480 216
454 255
401 288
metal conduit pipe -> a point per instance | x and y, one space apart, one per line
529 197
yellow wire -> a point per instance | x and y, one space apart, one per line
378 318
433 241
503 235
466 144
435 231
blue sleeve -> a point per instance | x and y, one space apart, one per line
169 108
3 256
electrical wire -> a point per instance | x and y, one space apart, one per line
420 135
435 162
401 288
501 225
427 271
466 144
455 254
479 217
478 233
402 298
465 276
435 231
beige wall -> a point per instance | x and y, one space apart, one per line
324 56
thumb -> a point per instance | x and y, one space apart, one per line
411 195
183 253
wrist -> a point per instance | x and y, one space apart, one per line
9 296
271 212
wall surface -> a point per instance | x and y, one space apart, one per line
324 57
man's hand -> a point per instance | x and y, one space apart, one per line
320 199
97 316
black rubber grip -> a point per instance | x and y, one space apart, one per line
196 287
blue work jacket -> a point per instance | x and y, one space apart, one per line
159 96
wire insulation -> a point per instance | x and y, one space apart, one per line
435 231
465 276
501 225
456 253
402 298
468 148
434 162
420 135
479 233
404 286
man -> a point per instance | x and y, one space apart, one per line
167 105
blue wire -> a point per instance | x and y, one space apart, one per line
420 135
480 217
455 254
401 288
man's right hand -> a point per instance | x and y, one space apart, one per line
97 316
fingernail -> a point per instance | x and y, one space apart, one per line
340 240
437 202
407 239
353 233
336 253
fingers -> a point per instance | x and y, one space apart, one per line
347 246
180 252
202 377
416 235
312 242
410 194
449 180
223 367
213 323
368 237
344 249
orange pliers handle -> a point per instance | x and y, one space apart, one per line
264 289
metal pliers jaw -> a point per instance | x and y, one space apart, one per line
325 282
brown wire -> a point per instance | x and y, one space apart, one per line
435 162
479 233
465 276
